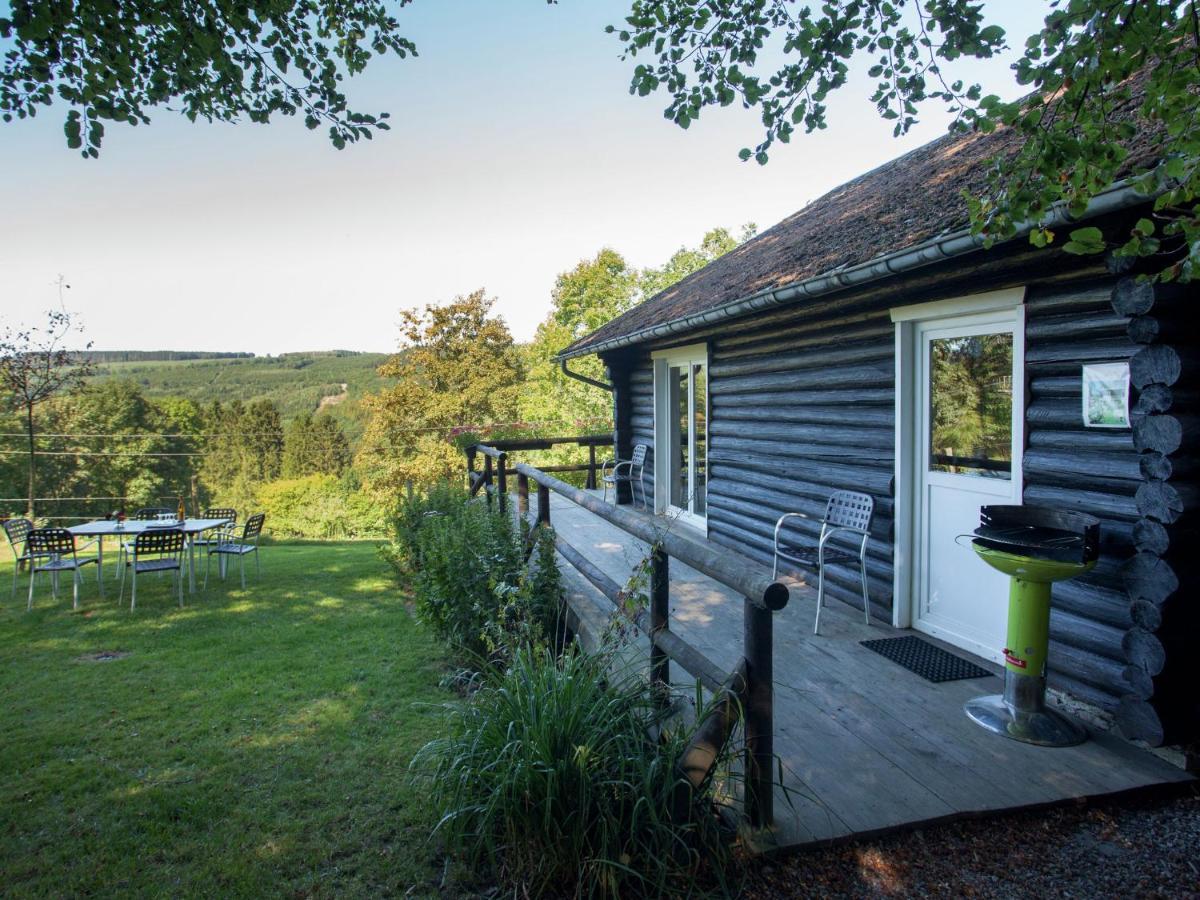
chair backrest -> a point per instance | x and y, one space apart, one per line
850 509
43 541
150 513
639 456
17 531
222 512
253 527
167 541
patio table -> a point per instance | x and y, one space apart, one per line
131 529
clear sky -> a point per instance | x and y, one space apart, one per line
516 151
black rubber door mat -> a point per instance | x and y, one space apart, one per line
928 660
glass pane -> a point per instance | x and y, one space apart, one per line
679 436
971 405
700 449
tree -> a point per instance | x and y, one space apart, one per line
457 366
209 59
314 446
584 298
35 365
1092 62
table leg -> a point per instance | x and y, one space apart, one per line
192 565
100 560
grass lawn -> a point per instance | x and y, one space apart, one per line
254 743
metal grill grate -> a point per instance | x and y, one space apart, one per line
925 659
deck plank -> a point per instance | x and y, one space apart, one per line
867 746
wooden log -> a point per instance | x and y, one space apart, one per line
1160 501
1149 577
1099 671
1132 297
1146 615
1119 473
798 337
1141 684
708 741
1145 329
1101 441
758 713
1105 605
543 506
1144 649
1082 690
1074 297
830 451
1057 386
1155 364
1076 327
723 397
856 414
1084 634
1162 433
660 588
1155 467
778 491
721 565
1104 506
876 438
523 496
1111 349
1150 536
826 359
784 494
835 475
1153 398
1138 721
877 375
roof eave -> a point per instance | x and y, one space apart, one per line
1122 195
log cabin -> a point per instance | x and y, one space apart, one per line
871 342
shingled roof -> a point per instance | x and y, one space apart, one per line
907 202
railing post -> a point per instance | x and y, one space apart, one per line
522 495
487 478
543 511
502 480
591 476
760 726
660 592
471 452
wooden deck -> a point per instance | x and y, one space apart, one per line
867 746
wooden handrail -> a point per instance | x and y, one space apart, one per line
746 693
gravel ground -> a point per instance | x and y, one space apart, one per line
1132 849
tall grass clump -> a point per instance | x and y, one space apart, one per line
550 777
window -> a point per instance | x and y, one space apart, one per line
970 398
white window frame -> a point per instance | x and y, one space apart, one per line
909 397
663 360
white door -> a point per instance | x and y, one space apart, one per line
681 434
968 434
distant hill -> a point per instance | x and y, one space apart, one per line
333 381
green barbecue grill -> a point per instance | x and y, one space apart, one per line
1035 547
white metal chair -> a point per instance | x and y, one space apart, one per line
240 548
847 512
52 550
632 470
155 550
222 534
17 532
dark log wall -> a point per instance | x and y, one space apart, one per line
1108 645
799 409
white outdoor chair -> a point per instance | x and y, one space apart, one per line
17 532
632 471
52 550
240 548
848 512
155 550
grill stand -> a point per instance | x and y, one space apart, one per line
1020 713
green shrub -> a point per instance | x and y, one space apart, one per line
322 507
549 775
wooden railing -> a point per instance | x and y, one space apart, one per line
496 461
743 694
